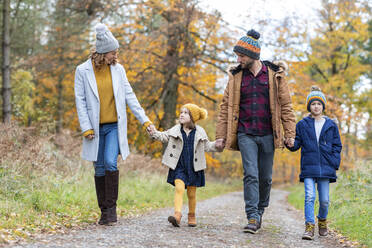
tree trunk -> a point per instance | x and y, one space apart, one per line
59 122
170 104
170 68
284 173
293 176
6 64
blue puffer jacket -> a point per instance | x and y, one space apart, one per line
318 160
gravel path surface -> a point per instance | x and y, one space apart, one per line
220 224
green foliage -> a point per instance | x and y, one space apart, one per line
350 210
27 23
22 97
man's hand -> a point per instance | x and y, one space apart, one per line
220 144
90 136
289 142
151 129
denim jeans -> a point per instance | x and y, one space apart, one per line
108 149
257 157
310 195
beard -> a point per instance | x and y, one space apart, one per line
247 65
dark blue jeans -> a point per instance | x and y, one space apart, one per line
108 149
257 157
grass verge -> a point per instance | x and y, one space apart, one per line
350 211
30 204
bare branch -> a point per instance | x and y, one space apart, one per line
214 65
199 92
316 67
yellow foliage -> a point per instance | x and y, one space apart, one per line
212 162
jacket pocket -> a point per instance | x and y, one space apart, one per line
330 160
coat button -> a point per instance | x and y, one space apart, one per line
195 151
196 160
174 146
171 155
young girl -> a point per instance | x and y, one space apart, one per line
185 157
319 140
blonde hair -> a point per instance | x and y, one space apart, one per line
99 59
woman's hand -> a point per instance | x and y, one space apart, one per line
151 129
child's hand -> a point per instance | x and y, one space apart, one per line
219 149
220 144
289 142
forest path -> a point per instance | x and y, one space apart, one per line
220 224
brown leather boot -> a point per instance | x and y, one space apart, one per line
309 232
100 192
175 219
111 191
322 227
192 219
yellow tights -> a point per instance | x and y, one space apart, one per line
178 196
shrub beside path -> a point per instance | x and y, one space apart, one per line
220 224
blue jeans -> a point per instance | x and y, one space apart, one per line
257 157
310 195
108 149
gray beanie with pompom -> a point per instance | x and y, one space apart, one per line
105 41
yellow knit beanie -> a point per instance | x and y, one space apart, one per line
196 112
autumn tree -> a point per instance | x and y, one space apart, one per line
365 103
173 53
67 46
332 60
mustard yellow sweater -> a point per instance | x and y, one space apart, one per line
106 95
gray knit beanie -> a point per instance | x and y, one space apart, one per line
105 41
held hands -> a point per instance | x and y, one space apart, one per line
151 129
220 144
289 142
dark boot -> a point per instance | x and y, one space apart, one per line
252 226
100 192
259 222
322 227
309 232
111 191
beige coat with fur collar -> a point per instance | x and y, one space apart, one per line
172 153
280 106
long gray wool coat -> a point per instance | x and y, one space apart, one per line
88 106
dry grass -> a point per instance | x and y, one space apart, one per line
23 149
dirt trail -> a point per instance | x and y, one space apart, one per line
220 224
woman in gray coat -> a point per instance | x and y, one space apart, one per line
102 92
